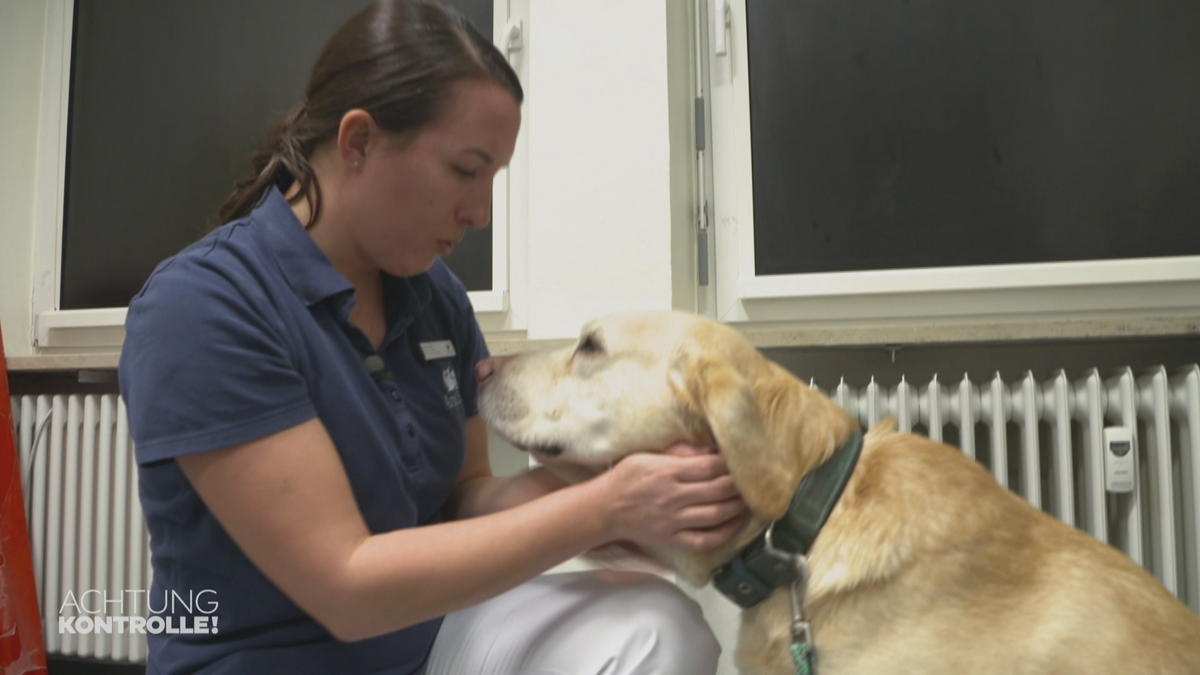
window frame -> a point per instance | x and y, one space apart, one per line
1022 292
102 329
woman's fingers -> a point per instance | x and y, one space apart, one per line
712 490
708 538
684 498
696 467
687 450
704 479
711 514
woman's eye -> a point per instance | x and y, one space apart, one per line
465 173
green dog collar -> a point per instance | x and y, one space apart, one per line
768 562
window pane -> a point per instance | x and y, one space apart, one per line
168 100
930 134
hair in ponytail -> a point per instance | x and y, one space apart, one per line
281 160
397 60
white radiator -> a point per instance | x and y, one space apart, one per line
1044 441
86 527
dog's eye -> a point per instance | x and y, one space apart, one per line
589 345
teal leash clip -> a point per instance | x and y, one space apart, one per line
804 659
804 651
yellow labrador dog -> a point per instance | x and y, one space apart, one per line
924 564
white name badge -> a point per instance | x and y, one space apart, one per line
441 349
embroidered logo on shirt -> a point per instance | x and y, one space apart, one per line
453 398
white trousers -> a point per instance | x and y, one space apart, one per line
578 624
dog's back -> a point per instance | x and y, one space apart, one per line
964 576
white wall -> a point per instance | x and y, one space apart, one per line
600 162
22 27
609 124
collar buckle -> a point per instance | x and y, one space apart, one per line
753 574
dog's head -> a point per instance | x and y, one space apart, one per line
592 403
638 382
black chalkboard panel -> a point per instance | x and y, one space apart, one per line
168 101
933 133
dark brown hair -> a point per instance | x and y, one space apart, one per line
397 60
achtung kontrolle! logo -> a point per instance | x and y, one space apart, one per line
99 611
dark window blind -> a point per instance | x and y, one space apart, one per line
935 133
168 101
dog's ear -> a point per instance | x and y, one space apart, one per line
725 400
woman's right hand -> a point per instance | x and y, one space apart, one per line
683 496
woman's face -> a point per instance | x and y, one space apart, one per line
421 192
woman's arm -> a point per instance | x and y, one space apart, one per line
477 492
285 499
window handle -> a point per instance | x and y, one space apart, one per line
723 19
510 41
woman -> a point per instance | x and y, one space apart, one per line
301 388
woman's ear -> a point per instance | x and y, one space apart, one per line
356 133
726 401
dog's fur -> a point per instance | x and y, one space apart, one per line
926 565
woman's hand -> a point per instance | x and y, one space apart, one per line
683 496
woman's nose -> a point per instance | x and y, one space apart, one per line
479 213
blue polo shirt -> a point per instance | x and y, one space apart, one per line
246 333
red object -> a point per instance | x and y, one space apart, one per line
22 651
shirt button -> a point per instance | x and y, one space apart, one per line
395 395
412 433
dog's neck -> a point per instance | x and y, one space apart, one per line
806 426
813 426
771 560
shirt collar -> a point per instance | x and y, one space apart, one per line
302 262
